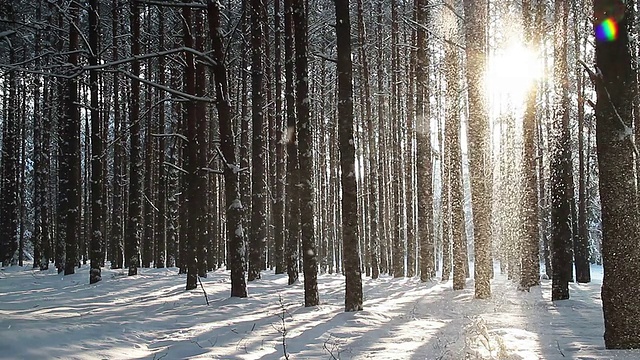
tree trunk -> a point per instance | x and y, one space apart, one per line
353 295
399 251
620 245
581 244
40 179
446 206
201 136
293 202
305 154
97 199
258 239
235 233
70 178
424 158
161 239
117 220
279 197
452 128
560 207
530 254
479 139
133 231
371 145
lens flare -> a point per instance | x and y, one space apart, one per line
607 30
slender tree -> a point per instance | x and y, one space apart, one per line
280 196
118 204
161 238
305 156
353 295
133 231
10 160
70 178
39 191
293 202
475 33
235 233
97 201
452 126
423 137
258 239
192 179
370 143
581 243
399 251
560 165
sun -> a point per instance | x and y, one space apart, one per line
511 71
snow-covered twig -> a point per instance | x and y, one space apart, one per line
6 33
560 350
212 171
283 329
165 88
192 5
325 57
176 167
334 347
203 290
179 136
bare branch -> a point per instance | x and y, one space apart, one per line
324 57
175 167
180 136
166 89
172 4
212 171
7 33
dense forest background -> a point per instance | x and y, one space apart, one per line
367 137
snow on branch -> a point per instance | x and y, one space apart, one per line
166 88
193 5
176 167
212 171
180 136
79 70
6 33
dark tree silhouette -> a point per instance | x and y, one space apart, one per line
353 294
620 245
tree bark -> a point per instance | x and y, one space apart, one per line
424 155
281 178
454 166
258 239
353 294
97 200
560 208
235 233
293 202
371 144
620 245
305 156
161 188
479 139
133 231
70 178
117 220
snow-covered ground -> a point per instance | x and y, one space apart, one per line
44 315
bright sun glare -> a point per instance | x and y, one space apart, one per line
510 73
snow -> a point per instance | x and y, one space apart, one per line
151 316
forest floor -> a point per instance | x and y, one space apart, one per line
45 315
